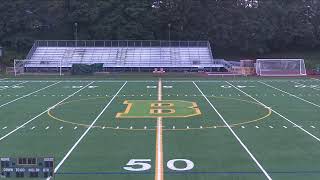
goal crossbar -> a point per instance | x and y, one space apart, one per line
280 67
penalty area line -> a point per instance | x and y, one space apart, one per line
234 134
86 132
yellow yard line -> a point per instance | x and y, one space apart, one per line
159 142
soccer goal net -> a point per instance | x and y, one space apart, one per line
47 67
280 67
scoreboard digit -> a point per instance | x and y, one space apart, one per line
26 167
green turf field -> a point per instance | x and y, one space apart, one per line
244 129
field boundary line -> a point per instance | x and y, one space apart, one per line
86 132
296 125
19 127
290 94
2 105
235 135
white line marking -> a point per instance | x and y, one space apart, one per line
271 127
28 94
235 135
159 141
122 81
47 127
3 88
33 127
43 112
86 132
5 127
274 111
61 127
290 94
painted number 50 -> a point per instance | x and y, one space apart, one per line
144 165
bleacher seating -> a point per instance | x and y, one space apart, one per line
123 56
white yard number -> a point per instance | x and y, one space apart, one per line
139 165
143 165
189 165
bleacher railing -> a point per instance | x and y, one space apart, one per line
119 43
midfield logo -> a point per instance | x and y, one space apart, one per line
155 109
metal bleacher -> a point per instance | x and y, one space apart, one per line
125 54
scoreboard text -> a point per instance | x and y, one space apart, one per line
26 167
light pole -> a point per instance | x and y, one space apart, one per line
169 26
76 33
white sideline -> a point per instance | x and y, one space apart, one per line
298 126
85 133
28 94
235 135
290 94
3 137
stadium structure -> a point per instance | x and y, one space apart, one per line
62 56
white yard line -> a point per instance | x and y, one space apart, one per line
27 95
159 141
290 94
235 135
86 132
16 129
274 111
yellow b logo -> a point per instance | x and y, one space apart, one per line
155 109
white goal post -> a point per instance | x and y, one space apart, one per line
280 67
53 67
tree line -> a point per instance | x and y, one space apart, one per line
247 27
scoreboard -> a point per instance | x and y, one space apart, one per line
26 167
